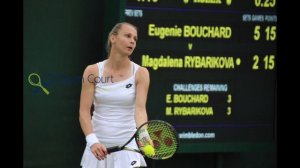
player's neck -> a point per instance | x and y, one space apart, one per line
115 62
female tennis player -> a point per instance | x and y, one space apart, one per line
118 88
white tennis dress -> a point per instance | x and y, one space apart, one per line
113 122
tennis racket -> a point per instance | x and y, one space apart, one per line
159 134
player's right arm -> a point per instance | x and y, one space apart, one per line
85 118
86 100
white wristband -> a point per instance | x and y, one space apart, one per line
91 139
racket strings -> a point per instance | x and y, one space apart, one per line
164 139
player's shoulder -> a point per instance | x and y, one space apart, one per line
91 69
141 69
142 74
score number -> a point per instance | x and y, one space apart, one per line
269 62
270 32
265 3
229 100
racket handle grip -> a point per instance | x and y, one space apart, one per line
113 149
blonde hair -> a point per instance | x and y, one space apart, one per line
114 31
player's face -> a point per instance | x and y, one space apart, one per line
126 39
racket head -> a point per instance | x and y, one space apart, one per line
164 137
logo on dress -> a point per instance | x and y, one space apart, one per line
133 163
128 85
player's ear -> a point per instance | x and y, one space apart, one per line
112 38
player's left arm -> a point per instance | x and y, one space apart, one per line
142 86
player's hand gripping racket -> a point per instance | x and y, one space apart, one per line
156 139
